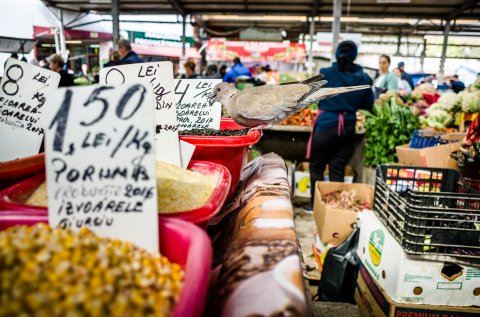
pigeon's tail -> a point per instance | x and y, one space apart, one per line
324 93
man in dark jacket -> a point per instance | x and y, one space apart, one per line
127 55
333 136
405 75
56 64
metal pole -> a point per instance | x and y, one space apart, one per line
184 41
57 46
337 13
63 45
446 32
115 24
424 53
310 51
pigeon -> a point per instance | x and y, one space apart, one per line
264 106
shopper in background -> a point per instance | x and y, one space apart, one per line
333 136
56 64
386 80
113 59
403 86
127 55
405 75
190 71
456 85
260 77
212 72
223 70
237 70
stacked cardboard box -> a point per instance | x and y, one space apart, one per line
391 283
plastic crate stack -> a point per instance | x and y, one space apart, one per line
430 211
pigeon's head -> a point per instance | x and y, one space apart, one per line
223 92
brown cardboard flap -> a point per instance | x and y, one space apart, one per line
436 156
334 225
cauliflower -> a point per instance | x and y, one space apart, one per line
448 101
471 102
438 118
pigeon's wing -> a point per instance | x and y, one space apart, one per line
269 101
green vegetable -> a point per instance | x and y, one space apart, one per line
388 126
470 101
438 118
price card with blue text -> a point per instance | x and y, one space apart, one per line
101 164
159 75
24 90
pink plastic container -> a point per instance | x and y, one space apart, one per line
13 198
181 242
17 170
230 151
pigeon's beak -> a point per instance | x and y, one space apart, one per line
212 99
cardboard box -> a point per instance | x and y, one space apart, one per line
374 302
436 156
334 225
409 280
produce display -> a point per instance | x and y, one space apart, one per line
304 117
346 199
388 126
57 272
177 189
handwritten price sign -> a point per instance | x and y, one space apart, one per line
24 89
193 107
158 75
100 162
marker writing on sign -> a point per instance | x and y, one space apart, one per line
103 198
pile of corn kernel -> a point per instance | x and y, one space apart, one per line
57 272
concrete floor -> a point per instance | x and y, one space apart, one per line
305 226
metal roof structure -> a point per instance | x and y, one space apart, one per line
16 45
228 17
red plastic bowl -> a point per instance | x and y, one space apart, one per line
181 242
230 151
17 170
13 198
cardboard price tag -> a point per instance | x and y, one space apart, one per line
101 164
159 75
193 107
24 90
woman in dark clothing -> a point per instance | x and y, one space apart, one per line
333 135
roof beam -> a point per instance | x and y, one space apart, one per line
177 7
468 4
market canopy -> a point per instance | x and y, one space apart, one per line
429 9
229 17
16 45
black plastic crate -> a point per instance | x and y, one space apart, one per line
430 211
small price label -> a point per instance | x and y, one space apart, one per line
24 90
194 110
158 75
101 164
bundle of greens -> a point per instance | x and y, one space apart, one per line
388 126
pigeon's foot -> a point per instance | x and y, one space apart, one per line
262 127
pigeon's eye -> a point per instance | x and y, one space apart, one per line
218 89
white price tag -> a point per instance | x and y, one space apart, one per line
101 164
159 75
24 90
193 107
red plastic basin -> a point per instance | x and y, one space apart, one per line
13 198
181 242
17 170
230 151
